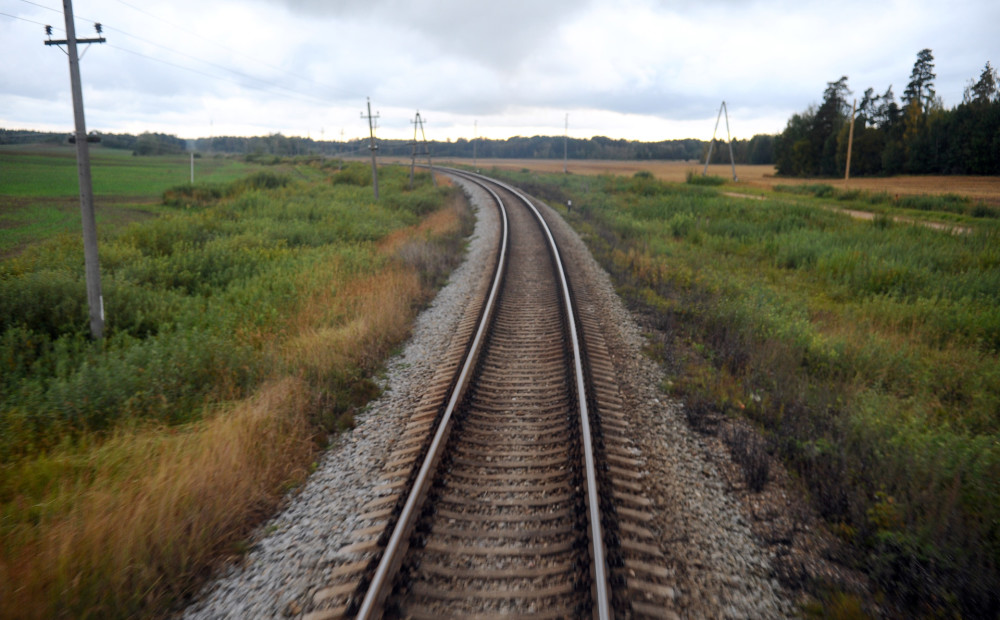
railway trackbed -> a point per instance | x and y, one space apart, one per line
514 489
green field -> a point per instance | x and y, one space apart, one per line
866 353
39 188
245 317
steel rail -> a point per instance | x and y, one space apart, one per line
392 555
593 502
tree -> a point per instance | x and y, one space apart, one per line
830 117
886 113
985 90
921 86
792 154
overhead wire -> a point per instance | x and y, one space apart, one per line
266 86
23 19
218 44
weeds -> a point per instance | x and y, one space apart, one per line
944 203
240 331
866 353
693 178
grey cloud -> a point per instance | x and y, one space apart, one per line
497 34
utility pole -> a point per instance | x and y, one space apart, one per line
372 124
566 146
475 143
413 152
850 143
95 301
729 137
418 122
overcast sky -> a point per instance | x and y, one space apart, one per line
635 69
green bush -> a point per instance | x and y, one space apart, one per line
186 296
354 173
693 178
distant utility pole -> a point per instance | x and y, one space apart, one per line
372 124
729 138
475 143
850 143
566 146
95 300
419 123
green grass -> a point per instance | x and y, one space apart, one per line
244 324
866 353
39 189
52 171
941 207
179 291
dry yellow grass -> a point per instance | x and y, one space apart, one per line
190 495
976 187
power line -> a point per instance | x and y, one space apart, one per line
294 93
41 6
30 21
291 94
220 45
209 63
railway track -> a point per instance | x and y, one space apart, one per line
515 489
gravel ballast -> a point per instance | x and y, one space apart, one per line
721 568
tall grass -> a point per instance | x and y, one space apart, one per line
867 354
241 330
943 203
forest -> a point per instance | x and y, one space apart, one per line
757 150
915 135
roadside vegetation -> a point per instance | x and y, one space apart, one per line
246 319
865 353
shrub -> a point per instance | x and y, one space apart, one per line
693 178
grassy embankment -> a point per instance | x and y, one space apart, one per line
244 322
865 353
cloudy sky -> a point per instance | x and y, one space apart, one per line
636 69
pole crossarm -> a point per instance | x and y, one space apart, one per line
66 41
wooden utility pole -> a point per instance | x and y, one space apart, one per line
95 301
372 123
850 143
475 142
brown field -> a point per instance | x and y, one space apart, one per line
982 188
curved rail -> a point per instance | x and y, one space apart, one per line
396 547
593 502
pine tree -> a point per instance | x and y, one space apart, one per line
985 90
921 86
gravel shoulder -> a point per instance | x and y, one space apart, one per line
706 528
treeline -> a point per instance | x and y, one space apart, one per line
518 147
143 144
757 150
916 135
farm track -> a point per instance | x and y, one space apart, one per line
501 525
